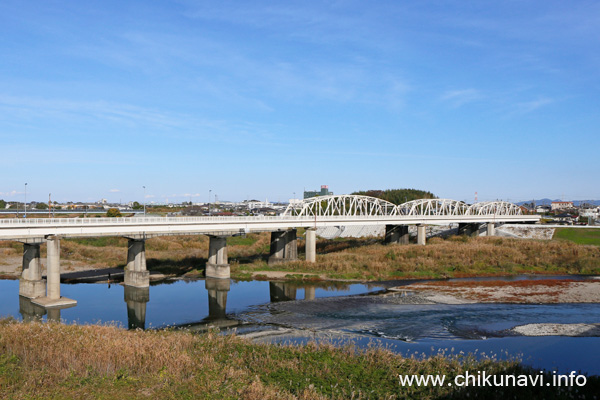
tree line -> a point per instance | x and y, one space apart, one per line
397 196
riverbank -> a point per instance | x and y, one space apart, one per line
526 291
70 361
364 259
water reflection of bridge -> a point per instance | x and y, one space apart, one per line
136 300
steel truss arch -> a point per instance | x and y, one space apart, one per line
432 207
494 208
336 205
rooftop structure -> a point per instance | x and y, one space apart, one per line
323 192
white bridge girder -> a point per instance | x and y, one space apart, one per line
326 211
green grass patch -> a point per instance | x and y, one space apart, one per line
579 235
241 240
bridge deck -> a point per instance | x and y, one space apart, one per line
23 229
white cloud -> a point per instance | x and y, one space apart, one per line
114 190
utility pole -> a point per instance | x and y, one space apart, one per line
25 204
144 200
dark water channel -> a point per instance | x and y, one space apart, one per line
337 312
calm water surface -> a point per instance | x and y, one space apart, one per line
336 312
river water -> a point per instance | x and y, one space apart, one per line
278 312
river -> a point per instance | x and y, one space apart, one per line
357 313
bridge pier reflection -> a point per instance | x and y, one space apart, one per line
32 312
29 311
281 291
309 293
217 297
136 299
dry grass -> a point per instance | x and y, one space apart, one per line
365 259
453 257
60 361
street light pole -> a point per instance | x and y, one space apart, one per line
144 200
209 192
25 205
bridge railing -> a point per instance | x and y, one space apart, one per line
207 220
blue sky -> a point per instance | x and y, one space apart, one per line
255 99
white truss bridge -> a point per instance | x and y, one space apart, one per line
317 212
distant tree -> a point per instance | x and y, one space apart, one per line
2 204
137 206
397 196
113 212
41 206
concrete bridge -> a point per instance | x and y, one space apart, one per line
313 213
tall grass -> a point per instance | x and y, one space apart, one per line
452 257
60 361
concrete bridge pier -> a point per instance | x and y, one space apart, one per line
136 273
53 298
136 299
217 297
31 284
280 291
396 234
217 265
491 229
284 247
421 235
469 229
464 229
311 245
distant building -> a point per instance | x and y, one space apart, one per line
324 192
542 209
562 205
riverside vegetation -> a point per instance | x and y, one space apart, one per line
341 259
70 361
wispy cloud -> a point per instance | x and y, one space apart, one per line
114 190
530 106
458 98
99 110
